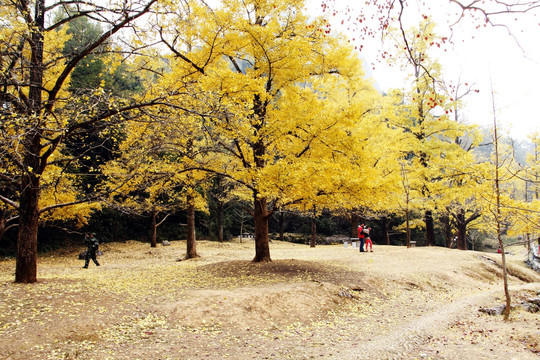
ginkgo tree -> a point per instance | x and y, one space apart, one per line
158 169
140 184
38 115
366 181
377 19
427 106
462 175
266 73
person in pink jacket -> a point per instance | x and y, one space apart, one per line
369 243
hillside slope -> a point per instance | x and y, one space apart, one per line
327 302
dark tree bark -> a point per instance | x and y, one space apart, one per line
461 230
191 251
218 191
281 225
384 229
445 219
260 208
26 263
260 217
461 224
355 220
153 236
220 207
313 240
430 232
3 223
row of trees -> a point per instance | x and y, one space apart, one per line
147 106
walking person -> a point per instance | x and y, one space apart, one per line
361 236
92 248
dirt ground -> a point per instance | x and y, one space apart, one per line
328 302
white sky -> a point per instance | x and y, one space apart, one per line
508 58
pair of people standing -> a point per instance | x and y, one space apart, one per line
363 236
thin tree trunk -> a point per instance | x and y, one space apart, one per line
220 221
260 218
405 183
313 240
191 251
430 232
220 205
384 225
536 176
407 221
153 235
3 223
498 213
281 225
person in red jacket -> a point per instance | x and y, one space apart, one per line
361 236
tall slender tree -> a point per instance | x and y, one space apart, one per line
35 105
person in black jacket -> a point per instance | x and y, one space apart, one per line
93 245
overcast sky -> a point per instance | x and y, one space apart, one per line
506 59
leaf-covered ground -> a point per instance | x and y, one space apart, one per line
328 302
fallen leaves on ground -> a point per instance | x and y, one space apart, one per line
327 302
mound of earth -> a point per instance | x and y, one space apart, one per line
299 292
273 305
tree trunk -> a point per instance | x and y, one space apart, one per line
407 221
191 251
430 232
498 213
153 235
26 262
3 223
260 217
281 225
384 229
445 219
221 237
461 231
355 220
313 240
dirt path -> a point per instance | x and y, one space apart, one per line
405 340
443 332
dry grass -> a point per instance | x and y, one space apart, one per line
328 302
